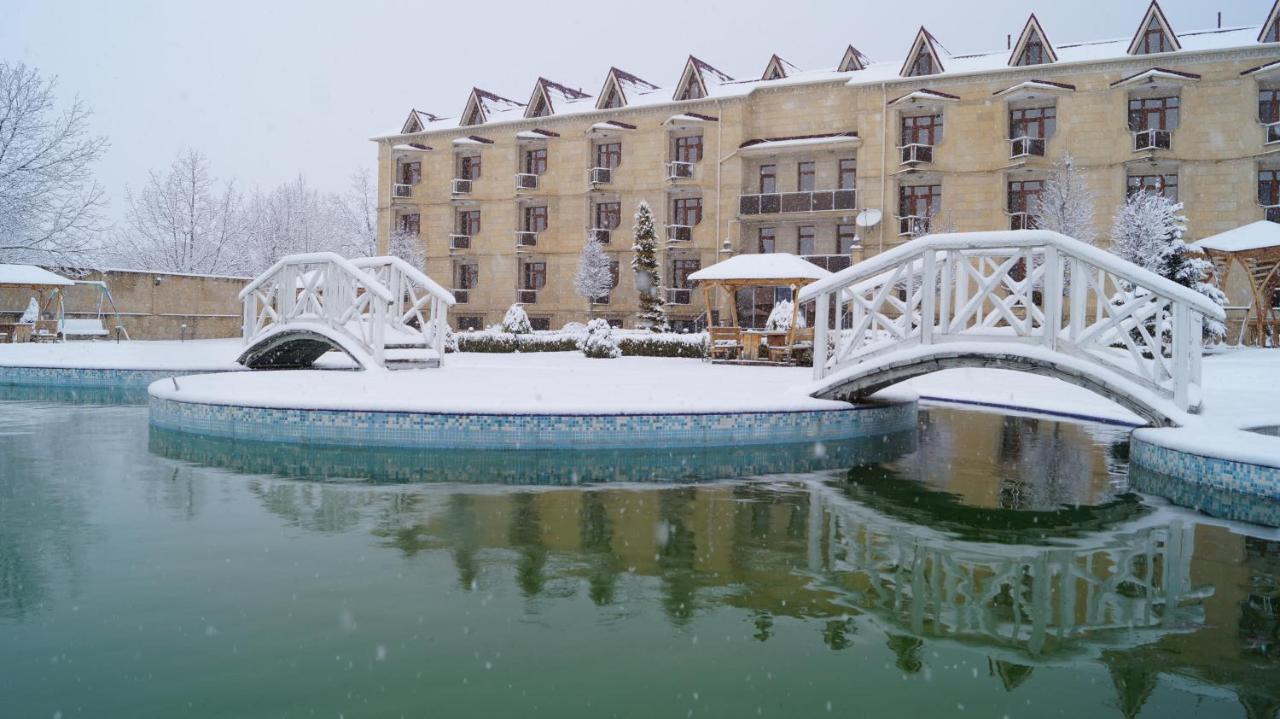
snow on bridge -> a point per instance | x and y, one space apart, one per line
381 311
1029 300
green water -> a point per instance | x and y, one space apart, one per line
995 567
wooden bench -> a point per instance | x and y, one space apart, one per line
83 328
801 339
724 342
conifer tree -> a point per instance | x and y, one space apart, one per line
644 262
594 277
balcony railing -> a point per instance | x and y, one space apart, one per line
913 225
402 190
527 297
679 295
600 175
781 202
830 263
1026 147
1152 140
1273 132
679 170
462 296
600 235
459 242
461 186
526 238
679 233
526 181
915 153
1273 212
1021 221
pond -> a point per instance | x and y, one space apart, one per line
993 565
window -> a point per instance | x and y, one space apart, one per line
922 129
410 173
535 218
680 271
1033 122
533 275
923 64
1167 185
1032 53
540 324
768 179
470 322
848 171
1022 194
805 177
613 274
469 167
689 149
535 161
1154 39
469 223
1273 33
609 155
466 276
1153 113
1269 104
687 211
805 240
1269 189
846 239
767 240
612 100
919 200
410 224
608 215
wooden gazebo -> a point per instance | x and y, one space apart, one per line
732 342
1256 248
48 288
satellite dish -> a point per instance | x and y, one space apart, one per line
868 218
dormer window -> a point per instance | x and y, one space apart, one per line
540 108
692 91
1154 34
612 100
1033 53
1272 33
1154 39
474 117
923 65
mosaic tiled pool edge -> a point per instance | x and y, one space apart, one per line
1219 487
526 431
118 378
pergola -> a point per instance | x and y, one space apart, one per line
47 285
1256 248
775 269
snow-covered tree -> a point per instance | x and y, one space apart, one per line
516 321
1148 232
49 202
594 276
355 216
1066 204
599 342
780 317
644 262
408 246
183 221
289 219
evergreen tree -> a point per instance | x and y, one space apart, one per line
594 277
644 261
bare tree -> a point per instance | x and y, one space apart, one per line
355 215
182 221
49 202
292 218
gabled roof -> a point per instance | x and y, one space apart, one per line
1270 31
761 267
697 79
777 69
1032 33
417 122
482 105
546 94
853 59
925 44
1153 18
616 86
1258 235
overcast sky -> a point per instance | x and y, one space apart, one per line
270 89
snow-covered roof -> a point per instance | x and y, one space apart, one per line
769 144
1253 236
768 266
412 147
31 275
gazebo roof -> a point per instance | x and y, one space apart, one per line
30 276
1258 235
766 268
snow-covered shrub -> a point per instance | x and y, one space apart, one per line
516 321
573 328
450 339
780 317
664 344
496 341
599 343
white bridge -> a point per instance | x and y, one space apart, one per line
381 311
1029 300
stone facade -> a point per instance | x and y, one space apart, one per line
1215 154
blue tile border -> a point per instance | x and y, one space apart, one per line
120 378
1222 487
529 431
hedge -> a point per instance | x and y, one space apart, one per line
635 344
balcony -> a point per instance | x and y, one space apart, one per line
677 170
679 295
784 202
461 186
401 190
1021 221
1273 132
1152 140
913 225
600 175
527 297
526 239
830 263
526 181
459 242
599 235
462 296
679 233
1026 147
916 153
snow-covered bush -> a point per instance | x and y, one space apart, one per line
450 339
780 317
516 321
599 343
632 343
664 344
573 328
